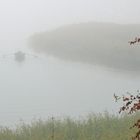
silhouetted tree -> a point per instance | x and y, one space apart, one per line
131 103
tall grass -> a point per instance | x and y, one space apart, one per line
93 127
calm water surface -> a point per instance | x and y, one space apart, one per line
45 86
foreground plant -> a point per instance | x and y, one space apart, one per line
131 105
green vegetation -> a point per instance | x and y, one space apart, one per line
93 127
104 44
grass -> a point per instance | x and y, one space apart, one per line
93 127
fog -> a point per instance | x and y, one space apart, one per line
47 85
94 43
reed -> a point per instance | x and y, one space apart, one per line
93 127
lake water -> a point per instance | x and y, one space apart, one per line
46 86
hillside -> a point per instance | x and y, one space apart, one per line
94 43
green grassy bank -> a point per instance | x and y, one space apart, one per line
93 127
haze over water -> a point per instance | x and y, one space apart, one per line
46 86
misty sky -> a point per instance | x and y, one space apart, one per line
22 17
